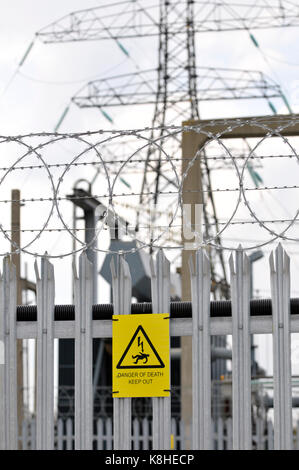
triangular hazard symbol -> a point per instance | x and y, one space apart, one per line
140 353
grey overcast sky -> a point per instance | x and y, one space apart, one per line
38 95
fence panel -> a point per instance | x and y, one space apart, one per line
162 432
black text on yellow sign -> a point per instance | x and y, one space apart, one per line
141 351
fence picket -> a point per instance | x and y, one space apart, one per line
220 434
8 363
33 435
109 435
100 434
201 352
25 436
270 435
160 287
229 434
280 293
45 356
60 434
182 429
122 293
241 365
259 434
145 434
69 434
135 434
83 354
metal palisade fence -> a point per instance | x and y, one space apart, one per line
125 432
141 438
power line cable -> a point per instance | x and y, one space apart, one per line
20 64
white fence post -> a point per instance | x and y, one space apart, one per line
259 433
201 352
69 434
160 285
280 293
270 437
229 434
145 434
60 434
122 293
241 357
220 434
136 434
8 359
100 434
45 356
109 434
83 354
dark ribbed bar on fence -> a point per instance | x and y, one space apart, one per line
219 308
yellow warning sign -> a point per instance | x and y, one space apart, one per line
141 355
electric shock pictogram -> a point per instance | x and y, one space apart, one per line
140 353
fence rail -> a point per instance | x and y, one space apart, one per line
201 326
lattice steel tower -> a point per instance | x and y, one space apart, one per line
177 85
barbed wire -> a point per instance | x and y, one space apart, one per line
209 132
133 227
140 160
150 193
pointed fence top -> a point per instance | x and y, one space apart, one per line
231 262
119 267
85 265
200 258
36 269
279 252
160 261
9 269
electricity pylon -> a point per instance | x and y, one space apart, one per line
176 89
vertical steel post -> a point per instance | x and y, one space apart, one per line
45 355
241 357
122 294
201 347
8 359
280 293
83 354
160 273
